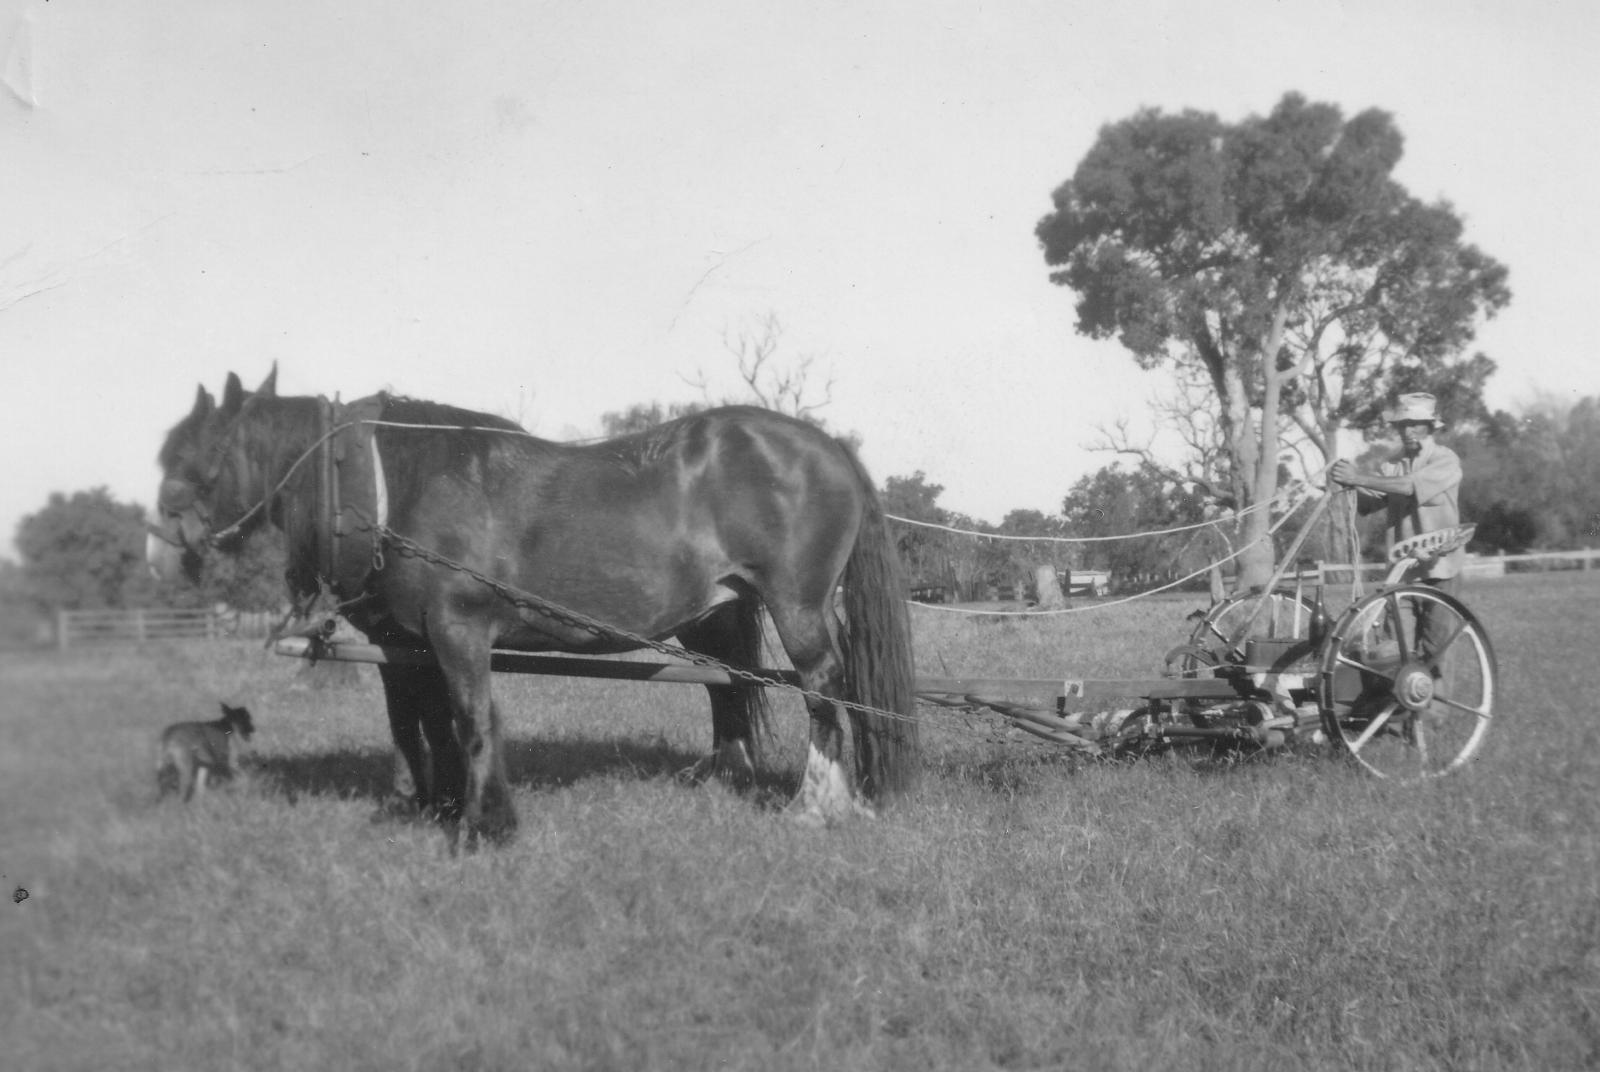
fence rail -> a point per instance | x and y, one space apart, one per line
79 627
1334 573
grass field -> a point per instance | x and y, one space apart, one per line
1028 910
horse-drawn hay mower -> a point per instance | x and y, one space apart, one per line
1402 680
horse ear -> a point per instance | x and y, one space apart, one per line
269 386
232 393
202 402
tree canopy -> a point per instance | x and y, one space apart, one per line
1533 479
1121 502
1279 261
84 551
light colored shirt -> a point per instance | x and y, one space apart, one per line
1431 503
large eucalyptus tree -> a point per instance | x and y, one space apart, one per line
1280 259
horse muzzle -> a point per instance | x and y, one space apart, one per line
169 554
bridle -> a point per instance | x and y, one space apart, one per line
327 509
334 518
196 491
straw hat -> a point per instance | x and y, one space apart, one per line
1417 407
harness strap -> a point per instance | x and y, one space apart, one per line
356 498
380 483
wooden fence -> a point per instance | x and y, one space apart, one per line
79 627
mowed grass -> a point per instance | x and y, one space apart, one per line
1028 910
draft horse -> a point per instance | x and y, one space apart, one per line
458 532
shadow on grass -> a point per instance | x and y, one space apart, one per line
368 773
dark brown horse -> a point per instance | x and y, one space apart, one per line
456 531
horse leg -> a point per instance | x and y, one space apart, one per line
826 794
731 634
416 696
486 804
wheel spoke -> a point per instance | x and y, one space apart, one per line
1419 737
1377 671
1397 621
1467 709
1378 722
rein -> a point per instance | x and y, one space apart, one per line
528 601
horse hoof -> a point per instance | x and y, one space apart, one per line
495 827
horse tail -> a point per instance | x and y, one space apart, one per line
751 700
877 656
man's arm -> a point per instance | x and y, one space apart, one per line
1372 489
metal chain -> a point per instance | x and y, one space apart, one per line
578 620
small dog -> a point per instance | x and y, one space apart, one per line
193 752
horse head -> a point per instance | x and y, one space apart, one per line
200 480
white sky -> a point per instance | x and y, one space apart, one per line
553 210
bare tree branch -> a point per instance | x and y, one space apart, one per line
786 388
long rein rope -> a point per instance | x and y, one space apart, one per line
1003 536
1295 503
564 615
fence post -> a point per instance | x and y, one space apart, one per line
61 630
138 624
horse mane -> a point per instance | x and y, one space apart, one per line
403 409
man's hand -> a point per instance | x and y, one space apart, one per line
1343 472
